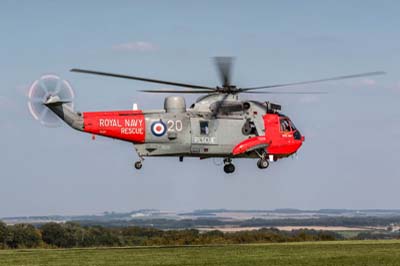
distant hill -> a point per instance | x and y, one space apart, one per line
225 217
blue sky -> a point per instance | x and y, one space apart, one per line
349 159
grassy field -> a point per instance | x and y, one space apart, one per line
309 253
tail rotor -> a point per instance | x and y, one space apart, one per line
49 89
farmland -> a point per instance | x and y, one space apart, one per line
384 252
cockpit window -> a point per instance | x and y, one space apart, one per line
288 126
285 125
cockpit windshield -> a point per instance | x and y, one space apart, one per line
287 125
292 125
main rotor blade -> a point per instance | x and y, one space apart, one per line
219 105
315 81
286 92
176 91
224 66
192 86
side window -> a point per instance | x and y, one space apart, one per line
204 128
285 126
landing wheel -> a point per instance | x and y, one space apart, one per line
262 163
138 165
229 168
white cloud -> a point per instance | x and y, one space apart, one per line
139 46
368 82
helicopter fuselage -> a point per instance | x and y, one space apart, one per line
217 125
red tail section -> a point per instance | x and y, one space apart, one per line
124 125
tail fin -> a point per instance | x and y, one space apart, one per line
65 112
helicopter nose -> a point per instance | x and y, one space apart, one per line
297 136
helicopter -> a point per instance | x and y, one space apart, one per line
217 125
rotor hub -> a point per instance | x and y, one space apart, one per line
227 89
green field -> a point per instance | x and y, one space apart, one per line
309 253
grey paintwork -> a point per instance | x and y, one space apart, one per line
223 134
65 112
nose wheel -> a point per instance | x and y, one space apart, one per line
262 163
229 168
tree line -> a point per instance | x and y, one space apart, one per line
71 234
256 222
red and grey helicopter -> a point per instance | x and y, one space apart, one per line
218 124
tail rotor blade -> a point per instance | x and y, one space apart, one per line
65 92
49 119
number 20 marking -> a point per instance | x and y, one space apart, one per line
174 125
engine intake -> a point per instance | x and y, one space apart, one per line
175 104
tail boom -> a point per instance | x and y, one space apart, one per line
65 112
125 125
